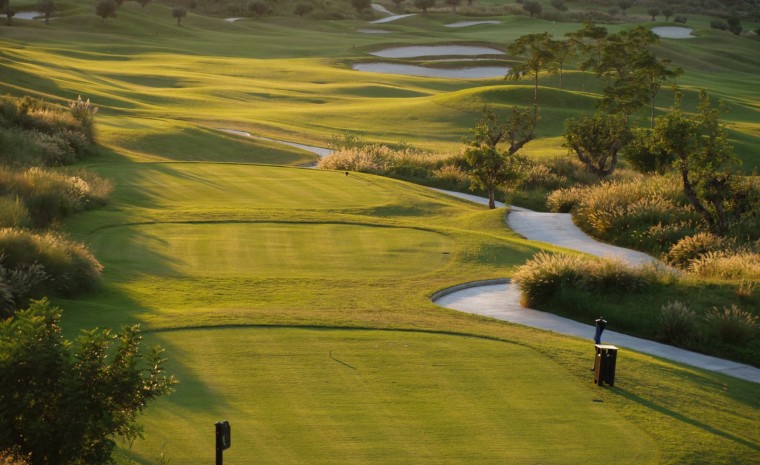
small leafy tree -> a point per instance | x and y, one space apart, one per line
704 158
303 9
64 402
453 4
258 7
624 5
559 5
106 9
597 140
734 25
143 3
361 5
424 4
667 13
538 52
532 7
179 13
653 12
9 14
46 7
489 166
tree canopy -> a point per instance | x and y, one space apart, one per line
490 166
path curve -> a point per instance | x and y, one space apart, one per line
500 299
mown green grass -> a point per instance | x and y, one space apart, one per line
385 396
357 396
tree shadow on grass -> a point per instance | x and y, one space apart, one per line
755 446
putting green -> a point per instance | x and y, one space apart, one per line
271 250
378 397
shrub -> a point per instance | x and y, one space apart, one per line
693 247
732 325
677 323
13 213
49 196
84 112
19 285
70 267
564 200
743 264
546 274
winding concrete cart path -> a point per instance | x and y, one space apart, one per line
500 299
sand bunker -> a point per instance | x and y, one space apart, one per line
472 23
674 32
477 72
28 15
373 31
391 18
436 50
232 20
381 9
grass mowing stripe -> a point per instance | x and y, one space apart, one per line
363 397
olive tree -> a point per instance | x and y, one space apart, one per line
488 164
179 13
106 9
537 51
703 157
47 8
424 4
597 140
65 402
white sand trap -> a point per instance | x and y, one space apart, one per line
391 18
381 9
320 151
472 23
232 20
436 50
478 72
674 32
29 15
373 31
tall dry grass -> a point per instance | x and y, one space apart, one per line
70 268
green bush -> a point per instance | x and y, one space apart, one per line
733 325
13 213
70 267
677 323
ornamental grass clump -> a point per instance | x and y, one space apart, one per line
70 267
732 325
547 275
693 247
677 323
723 264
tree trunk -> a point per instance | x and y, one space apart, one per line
691 196
491 198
